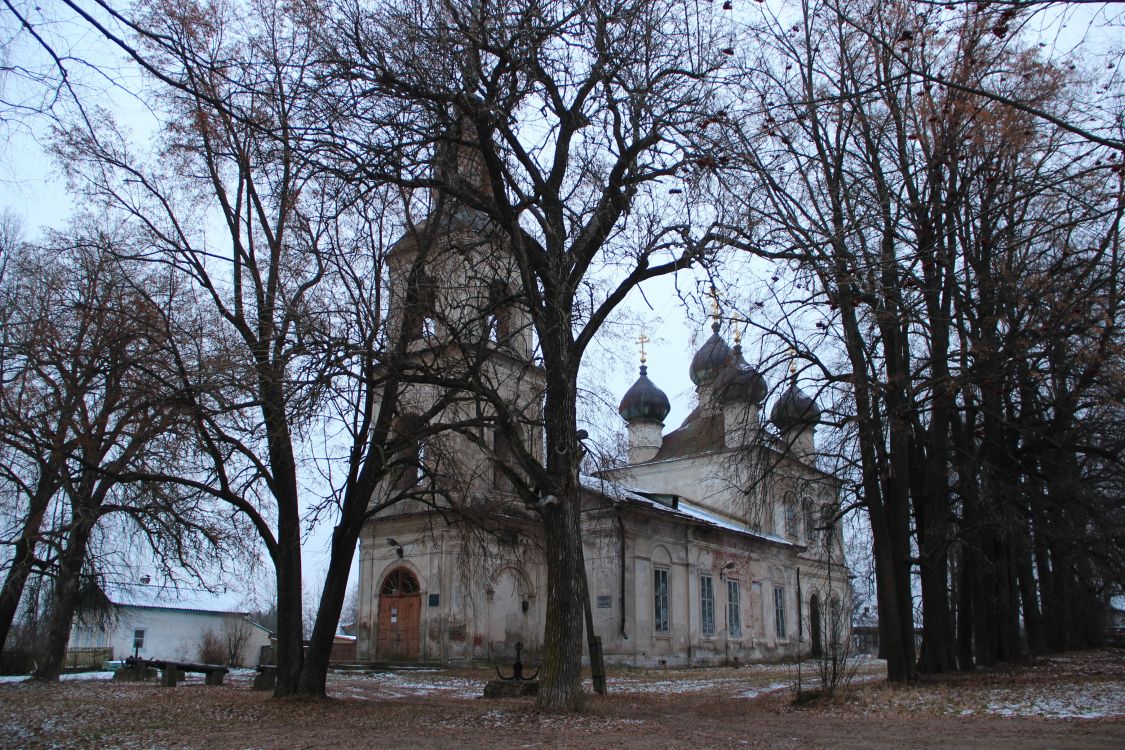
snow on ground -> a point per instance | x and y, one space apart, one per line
1093 701
1090 687
774 688
404 684
71 676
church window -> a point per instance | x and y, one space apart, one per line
834 616
790 515
410 460
420 306
810 522
779 611
399 582
502 452
707 604
660 600
499 315
734 610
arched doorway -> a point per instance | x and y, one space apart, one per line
814 625
400 605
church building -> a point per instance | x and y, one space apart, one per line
715 543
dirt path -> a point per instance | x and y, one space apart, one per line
749 707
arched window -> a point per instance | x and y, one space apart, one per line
835 621
499 320
815 626
502 450
790 514
399 582
811 523
410 460
419 318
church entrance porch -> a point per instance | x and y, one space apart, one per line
400 606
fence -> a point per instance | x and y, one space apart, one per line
86 658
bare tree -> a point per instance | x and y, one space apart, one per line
288 352
917 217
84 402
577 121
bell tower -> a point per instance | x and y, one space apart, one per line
455 298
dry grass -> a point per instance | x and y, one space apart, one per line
744 707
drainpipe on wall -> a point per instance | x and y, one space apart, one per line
688 566
621 555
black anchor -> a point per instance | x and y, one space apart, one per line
517 668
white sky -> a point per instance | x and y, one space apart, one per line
31 186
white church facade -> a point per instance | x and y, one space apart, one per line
714 544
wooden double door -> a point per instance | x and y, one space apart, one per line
400 610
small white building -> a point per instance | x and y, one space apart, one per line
165 622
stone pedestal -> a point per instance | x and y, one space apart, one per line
511 688
266 678
170 676
134 673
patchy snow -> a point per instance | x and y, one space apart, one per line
1086 685
103 675
408 684
774 688
1093 701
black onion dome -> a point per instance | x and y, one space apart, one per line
644 401
711 358
739 382
794 408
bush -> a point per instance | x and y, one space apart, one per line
212 650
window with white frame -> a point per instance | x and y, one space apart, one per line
707 604
660 600
734 610
138 639
779 611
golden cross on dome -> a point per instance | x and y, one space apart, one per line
642 341
714 303
739 325
793 362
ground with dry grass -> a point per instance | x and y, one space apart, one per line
1075 700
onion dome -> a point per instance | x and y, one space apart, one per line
644 402
794 408
711 358
739 382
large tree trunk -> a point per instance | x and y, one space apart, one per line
314 671
560 681
64 599
289 652
891 568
